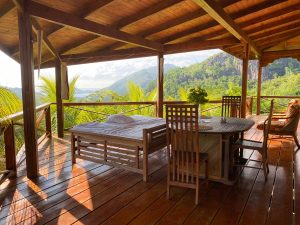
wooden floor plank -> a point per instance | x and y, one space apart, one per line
101 212
281 208
91 193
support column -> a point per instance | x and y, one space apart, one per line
28 92
160 86
59 105
244 80
258 95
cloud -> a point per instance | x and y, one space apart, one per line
103 74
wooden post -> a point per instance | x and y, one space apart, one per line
10 149
244 80
59 105
160 86
259 79
28 91
48 122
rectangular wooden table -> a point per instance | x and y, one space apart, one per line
118 144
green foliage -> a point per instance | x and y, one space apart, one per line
9 104
197 96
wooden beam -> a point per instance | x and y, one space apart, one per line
258 95
59 103
236 15
91 7
244 80
127 21
62 18
36 27
160 86
216 12
195 15
191 45
269 57
8 7
28 92
274 31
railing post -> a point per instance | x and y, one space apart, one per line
48 122
10 149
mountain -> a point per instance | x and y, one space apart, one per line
141 77
221 70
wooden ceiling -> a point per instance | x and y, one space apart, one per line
84 31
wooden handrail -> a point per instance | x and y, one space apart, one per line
19 115
107 103
7 125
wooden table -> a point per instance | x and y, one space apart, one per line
118 144
216 142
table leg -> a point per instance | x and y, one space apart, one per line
226 141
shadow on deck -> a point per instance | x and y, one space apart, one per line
90 193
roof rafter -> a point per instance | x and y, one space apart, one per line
36 27
131 19
216 12
90 8
60 17
243 24
194 45
6 8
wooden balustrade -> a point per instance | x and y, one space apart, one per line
8 123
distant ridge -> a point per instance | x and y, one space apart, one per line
141 77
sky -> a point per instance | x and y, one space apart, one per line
102 74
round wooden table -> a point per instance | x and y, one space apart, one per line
213 127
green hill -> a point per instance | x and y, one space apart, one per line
141 77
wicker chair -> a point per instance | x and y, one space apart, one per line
261 147
183 148
231 106
286 124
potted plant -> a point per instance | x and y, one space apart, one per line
197 96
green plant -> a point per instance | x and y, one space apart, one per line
197 96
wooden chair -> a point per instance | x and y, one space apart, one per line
261 147
231 106
183 148
286 124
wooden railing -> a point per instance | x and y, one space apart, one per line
7 129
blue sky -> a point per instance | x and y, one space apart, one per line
103 74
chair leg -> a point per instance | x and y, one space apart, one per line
264 161
168 191
206 172
197 195
296 140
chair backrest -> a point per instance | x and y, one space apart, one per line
267 125
293 114
183 143
231 106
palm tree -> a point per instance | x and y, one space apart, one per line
137 94
72 116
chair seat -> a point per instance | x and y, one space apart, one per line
275 125
248 144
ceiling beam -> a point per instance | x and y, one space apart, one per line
216 12
269 57
85 12
132 19
194 45
8 7
236 15
66 19
36 27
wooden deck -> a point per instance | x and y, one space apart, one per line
90 193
